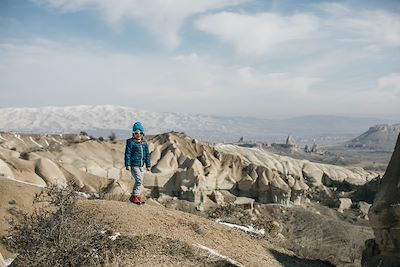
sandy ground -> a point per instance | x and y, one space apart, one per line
158 226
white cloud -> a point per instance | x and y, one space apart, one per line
257 34
51 73
265 33
286 83
161 18
191 58
390 83
381 27
335 9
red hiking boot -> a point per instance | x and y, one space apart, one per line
141 200
135 200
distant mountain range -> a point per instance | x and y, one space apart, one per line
379 137
101 120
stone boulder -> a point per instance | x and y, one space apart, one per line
344 204
50 172
384 218
364 209
312 174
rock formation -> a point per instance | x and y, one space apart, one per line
290 142
384 218
379 137
315 149
182 167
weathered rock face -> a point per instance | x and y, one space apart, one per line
384 218
5 171
345 204
291 142
50 172
182 167
380 137
315 148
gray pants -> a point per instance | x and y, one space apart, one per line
138 175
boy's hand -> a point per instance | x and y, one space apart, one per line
127 168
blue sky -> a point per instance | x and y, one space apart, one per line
264 59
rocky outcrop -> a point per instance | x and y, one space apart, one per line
182 167
312 173
50 172
290 142
315 149
363 209
192 170
5 171
384 218
379 137
344 204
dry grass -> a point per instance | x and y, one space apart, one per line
232 213
315 235
58 234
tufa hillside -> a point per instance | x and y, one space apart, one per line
312 213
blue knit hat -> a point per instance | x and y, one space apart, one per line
138 126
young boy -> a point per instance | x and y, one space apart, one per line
136 156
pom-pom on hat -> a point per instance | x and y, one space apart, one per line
137 126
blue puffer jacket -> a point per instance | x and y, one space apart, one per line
137 153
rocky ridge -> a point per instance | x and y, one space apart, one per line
182 166
202 174
99 120
384 217
379 137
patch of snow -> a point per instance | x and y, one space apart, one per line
56 140
47 143
114 237
33 141
22 182
8 262
82 194
19 137
216 254
2 138
247 229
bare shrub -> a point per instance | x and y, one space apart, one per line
317 236
230 213
24 155
55 147
234 214
59 234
